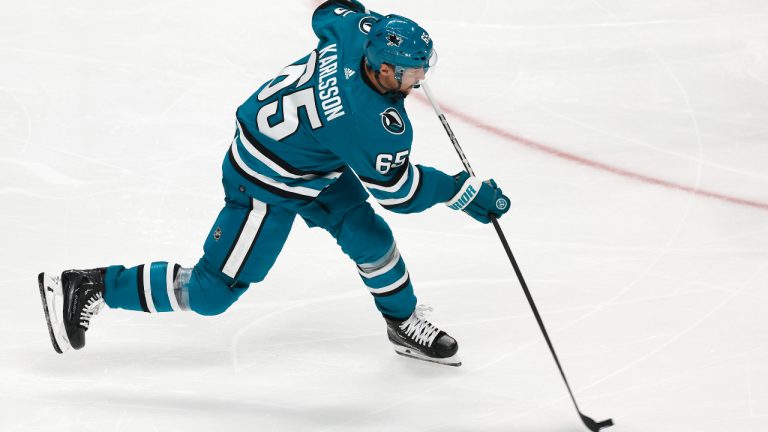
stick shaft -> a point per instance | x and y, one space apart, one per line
591 424
535 310
448 129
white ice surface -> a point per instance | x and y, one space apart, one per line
114 118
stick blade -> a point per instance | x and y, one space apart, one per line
593 425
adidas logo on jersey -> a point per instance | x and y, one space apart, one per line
348 72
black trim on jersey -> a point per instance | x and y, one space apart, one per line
390 181
237 237
415 193
265 186
176 269
275 158
140 285
255 239
396 290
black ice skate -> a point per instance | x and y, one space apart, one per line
417 338
81 293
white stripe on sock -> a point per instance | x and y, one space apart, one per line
390 287
170 288
148 288
395 258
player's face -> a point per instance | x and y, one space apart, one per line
411 77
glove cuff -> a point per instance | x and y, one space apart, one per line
466 194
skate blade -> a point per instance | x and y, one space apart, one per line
453 360
48 293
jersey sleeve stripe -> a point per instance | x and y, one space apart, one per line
394 187
372 183
274 162
415 184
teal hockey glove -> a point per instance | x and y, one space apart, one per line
477 198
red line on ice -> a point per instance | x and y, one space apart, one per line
584 161
594 164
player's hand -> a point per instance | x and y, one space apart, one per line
477 198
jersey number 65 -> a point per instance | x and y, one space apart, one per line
298 74
385 161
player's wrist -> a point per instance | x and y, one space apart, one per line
466 189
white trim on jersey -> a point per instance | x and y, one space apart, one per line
169 286
148 288
272 164
411 193
245 240
299 190
395 187
391 287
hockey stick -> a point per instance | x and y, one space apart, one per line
588 422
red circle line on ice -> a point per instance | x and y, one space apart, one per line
594 164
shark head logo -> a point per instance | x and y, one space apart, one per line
392 121
394 40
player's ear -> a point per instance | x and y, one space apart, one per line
386 70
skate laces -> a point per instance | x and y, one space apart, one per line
418 328
91 308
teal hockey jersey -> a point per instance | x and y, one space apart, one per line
319 117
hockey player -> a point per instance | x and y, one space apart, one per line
314 141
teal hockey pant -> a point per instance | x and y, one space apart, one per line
244 243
